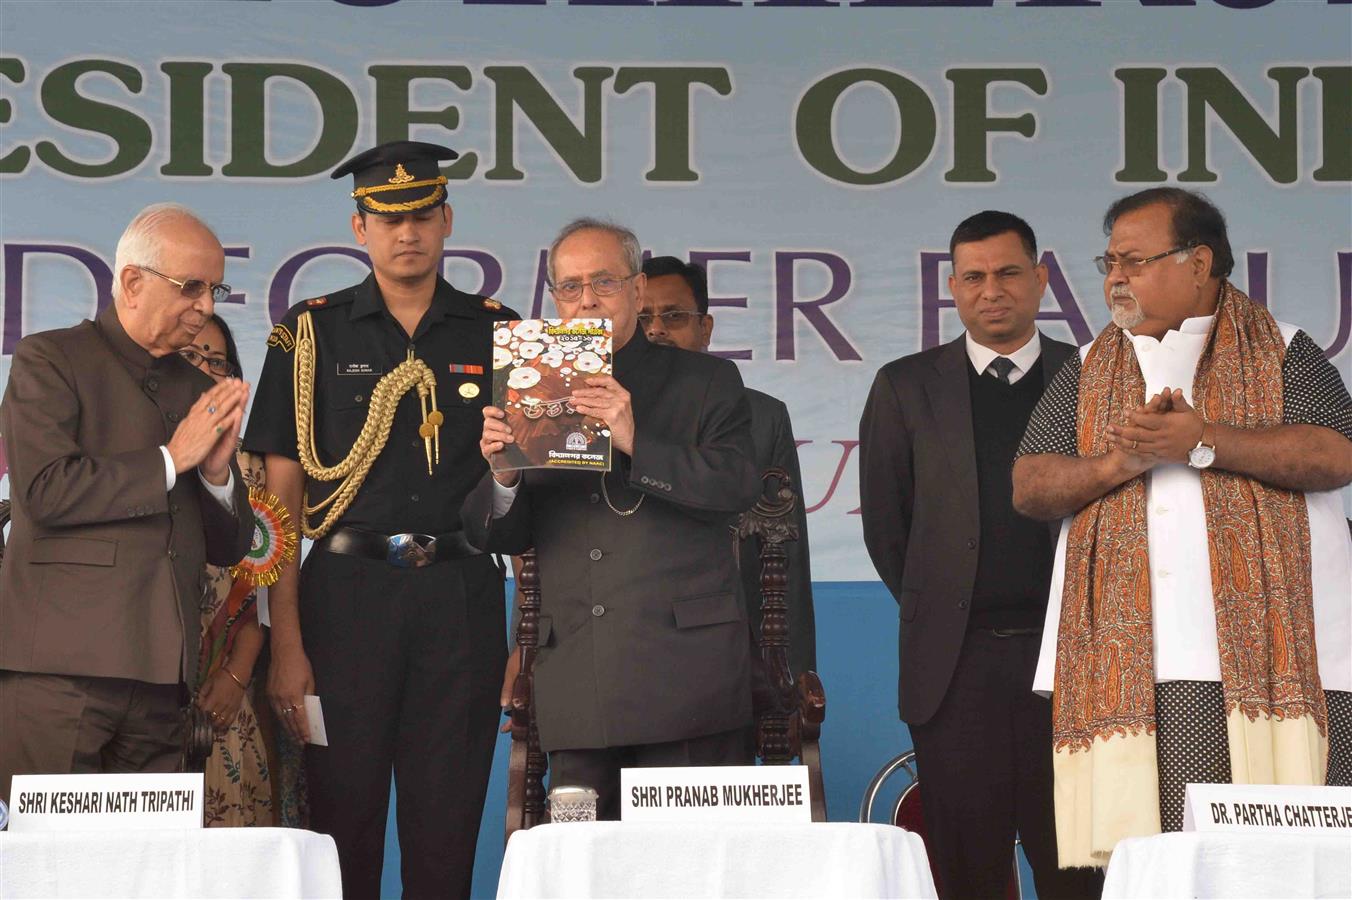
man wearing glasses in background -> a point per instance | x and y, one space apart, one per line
676 313
124 483
644 658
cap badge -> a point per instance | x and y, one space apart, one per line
401 176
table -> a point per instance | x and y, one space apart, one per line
197 862
614 859
1232 864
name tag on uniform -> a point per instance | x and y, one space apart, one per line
359 368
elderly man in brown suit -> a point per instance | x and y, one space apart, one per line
104 424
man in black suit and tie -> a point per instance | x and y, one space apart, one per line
644 658
937 440
676 313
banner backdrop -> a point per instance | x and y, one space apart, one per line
814 154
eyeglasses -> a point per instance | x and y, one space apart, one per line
1131 267
193 287
671 319
217 364
602 286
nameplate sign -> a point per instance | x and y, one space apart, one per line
716 794
1267 807
105 802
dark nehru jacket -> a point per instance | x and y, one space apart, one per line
643 634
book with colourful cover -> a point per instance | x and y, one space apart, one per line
537 364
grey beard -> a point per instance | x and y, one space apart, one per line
1128 317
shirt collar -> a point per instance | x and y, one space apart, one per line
368 301
133 353
1195 325
1023 358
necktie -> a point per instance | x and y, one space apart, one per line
1001 366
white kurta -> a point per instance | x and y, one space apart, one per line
1182 605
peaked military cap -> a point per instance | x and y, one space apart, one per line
398 177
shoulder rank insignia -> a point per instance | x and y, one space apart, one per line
281 338
317 301
490 303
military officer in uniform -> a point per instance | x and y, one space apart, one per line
368 413
644 658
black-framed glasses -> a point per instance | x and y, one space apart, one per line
672 319
601 285
218 365
1131 267
193 287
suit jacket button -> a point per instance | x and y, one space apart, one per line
595 554
173 554
962 604
173 508
971 544
598 610
152 384
594 498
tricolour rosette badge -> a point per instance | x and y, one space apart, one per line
274 541
537 364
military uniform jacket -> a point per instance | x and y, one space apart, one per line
643 634
358 341
104 569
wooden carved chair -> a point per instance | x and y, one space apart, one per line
789 714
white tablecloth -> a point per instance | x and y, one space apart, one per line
1228 864
199 862
612 859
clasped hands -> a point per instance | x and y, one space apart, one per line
1164 429
603 398
207 435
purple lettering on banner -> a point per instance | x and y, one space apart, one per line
930 301
279 294
848 448
1344 306
537 302
785 305
1065 298
236 253
1257 286
488 264
15 256
706 258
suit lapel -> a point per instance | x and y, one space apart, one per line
951 403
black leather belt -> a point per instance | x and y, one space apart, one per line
407 551
1009 632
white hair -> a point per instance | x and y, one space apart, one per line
629 245
140 244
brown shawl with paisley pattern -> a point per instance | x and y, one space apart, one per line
1103 706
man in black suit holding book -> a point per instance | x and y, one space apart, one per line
643 657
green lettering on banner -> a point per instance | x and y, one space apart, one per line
1276 151
1140 124
394 114
972 123
672 86
63 102
812 126
187 118
16 160
249 120
517 88
1336 84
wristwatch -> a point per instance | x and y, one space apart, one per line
1204 454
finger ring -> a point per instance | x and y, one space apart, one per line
220 430
288 709
211 409
1134 444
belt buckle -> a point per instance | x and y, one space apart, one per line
410 551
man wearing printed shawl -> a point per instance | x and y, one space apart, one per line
1199 623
